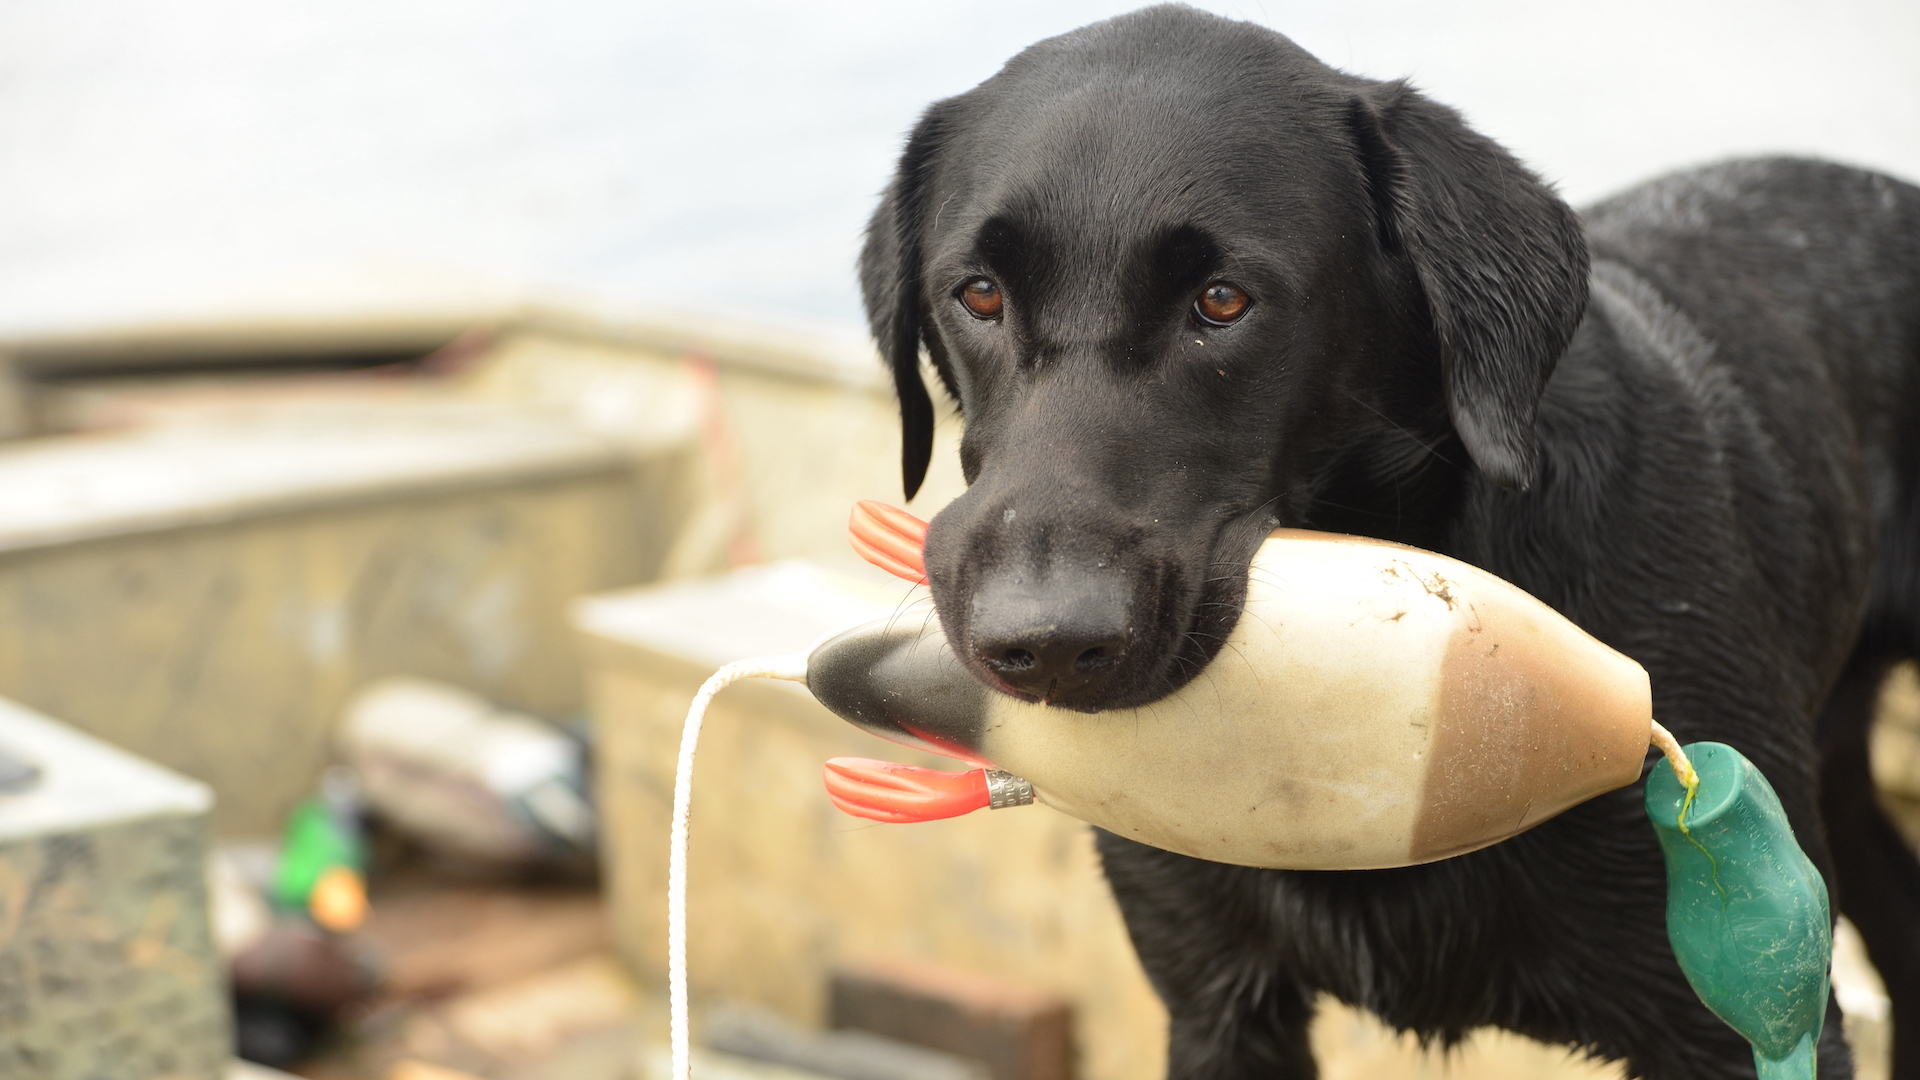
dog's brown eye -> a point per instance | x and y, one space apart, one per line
982 298
1221 303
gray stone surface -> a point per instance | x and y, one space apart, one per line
107 966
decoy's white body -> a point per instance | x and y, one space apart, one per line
1375 706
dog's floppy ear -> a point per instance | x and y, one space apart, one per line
1501 258
892 286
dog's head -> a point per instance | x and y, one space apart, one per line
1188 283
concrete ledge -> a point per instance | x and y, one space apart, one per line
214 341
208 595
107 965
68 489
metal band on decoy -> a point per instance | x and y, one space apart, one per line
1005 789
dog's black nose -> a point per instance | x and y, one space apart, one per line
1051 643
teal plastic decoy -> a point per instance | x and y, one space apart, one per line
1746 910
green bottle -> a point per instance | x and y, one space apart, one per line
1746 910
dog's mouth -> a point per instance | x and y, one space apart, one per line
1088 635
1092 637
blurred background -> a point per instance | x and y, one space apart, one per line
404 405
194 157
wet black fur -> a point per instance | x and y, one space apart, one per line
1689 419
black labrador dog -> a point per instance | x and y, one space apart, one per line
1188 284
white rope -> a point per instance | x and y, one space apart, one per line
792 668
1664 741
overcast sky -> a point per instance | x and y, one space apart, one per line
200 157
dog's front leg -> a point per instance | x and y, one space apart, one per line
1202 933
1252 1024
